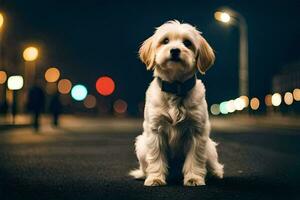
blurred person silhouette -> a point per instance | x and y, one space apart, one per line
4 107
35 104
55 108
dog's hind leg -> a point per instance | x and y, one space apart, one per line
213 164
140 149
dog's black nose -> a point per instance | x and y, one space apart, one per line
175 53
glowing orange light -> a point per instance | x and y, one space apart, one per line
288 98
64 86
105 85
120 106
296 94
268 100
3 77
30 53
245 100
1 20
52 75
90 101
254 103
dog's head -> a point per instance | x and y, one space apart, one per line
176 50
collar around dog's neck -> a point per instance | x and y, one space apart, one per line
178 88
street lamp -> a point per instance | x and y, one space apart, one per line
230 16
30 54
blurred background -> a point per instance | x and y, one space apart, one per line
94 45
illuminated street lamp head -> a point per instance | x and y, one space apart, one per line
30 54
1 20
222 16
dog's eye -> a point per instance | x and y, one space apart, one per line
165 41
187 43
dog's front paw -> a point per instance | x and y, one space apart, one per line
195 181
154 181
219 173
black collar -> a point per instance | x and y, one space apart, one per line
178 88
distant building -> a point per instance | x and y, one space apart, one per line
287 79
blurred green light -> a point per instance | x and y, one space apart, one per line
223 107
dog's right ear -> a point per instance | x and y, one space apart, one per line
147 54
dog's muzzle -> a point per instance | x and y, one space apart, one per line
175 54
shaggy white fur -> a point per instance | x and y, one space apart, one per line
179 125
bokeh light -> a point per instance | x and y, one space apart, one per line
64 86
222 16
215 109
223 107
239 104
15 82
90 101
3 77
245 99
296 94
1 20
230 106
254 103
52 75
268 100
30 53
105 85
276 99
288 98
79 92
120 106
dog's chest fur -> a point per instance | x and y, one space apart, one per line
177 118
179 122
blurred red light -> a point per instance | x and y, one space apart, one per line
105 85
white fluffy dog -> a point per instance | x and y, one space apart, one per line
176 123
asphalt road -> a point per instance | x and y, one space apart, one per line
93 163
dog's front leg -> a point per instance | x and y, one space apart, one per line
194 168
156 161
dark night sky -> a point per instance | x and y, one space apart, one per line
86 39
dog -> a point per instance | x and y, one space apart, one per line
176 122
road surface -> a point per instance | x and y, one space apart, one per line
86 160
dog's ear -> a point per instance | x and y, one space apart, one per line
147 54
205 56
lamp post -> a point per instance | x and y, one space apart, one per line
229 16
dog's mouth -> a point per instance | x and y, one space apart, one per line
175 59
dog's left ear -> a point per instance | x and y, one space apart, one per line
147 54
205 57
